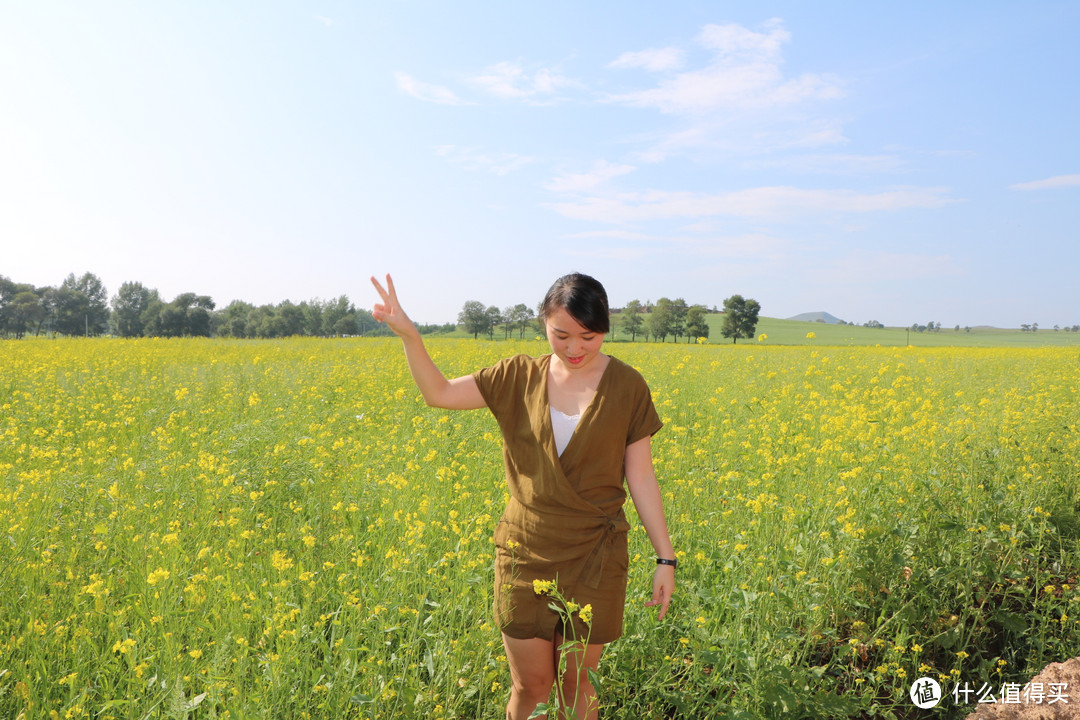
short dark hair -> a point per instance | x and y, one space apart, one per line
583 297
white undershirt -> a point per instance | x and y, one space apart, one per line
563 425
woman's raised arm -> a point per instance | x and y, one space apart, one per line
457 394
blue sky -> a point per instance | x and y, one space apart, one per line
900 162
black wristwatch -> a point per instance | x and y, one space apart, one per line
665 561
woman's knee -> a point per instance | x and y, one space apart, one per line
532 666
533 682
574 683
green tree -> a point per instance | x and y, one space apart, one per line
632 319
21 308
312 312
507 316
232 321
339 317
151 316
519 317
188 315
68 310
290 319
660 319
473 317
678 317
78 306
740 318
494 318
25 311
696 325
128 306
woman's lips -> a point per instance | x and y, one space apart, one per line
575 360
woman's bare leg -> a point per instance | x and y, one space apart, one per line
532 674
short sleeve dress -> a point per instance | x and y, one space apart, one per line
564 521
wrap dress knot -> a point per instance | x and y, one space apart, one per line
564 521
593 569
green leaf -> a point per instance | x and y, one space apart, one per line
540 711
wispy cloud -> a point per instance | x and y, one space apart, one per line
1053 182
743 72
656 60
325 20
511 81
475 159
600 174
426 92
778 203
745 136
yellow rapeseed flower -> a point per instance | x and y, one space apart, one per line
543 587
157 576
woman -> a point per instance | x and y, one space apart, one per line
574 424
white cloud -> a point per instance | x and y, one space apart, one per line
777 203
602 172
1053 182
744 72
656 60
745 137
428 93
325 20
510 81
475 159
734 43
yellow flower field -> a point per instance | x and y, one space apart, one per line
210 529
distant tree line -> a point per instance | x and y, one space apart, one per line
479 320
81 306
665 317
652 321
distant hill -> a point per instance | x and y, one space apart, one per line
818 317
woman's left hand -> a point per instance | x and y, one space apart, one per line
663 585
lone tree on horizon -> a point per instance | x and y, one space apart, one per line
740 318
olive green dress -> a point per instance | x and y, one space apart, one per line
565 519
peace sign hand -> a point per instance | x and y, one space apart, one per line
389 310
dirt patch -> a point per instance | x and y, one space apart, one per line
1044 698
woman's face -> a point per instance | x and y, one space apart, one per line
573 344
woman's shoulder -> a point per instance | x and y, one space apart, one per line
521 360
515 365
625 372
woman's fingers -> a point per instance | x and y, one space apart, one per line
389 310
664 602
382 293
389 305
662 589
